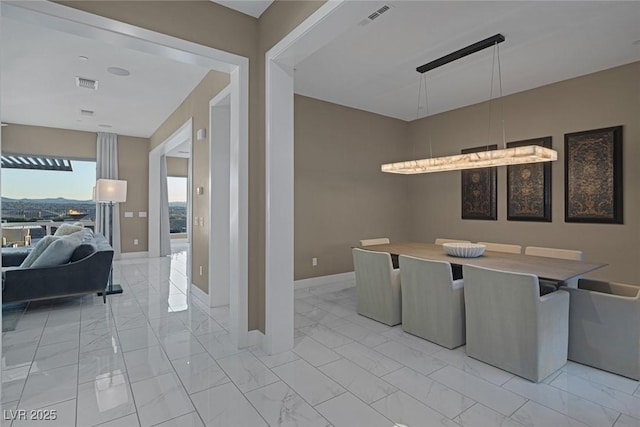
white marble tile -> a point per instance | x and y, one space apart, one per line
488 394
368 359
130 420
569 404
280 406
481 416
181 344
18 337
167 326
218 344
58 334
627 421
18 355
104 399
460 360
317 315
246 371
97 339
325 336
367 323
189 420
203 326
361 383
314 352
226 406
335 309
359 333
300 321
48 387
99 363
55 355
61 414
412 341
160 399
403 409
199 372
308 382
302 307
433 394
146 363
13 382
347 410
411 357
598 376
134 339
535 415
130 321
274 360
602 395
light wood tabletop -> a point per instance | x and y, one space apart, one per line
554 269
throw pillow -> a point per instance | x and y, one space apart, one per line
60 251
78 224
40 247
66 229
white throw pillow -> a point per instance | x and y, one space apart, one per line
66 229
40 247
60 251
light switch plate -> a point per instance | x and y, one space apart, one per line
142 214
128 214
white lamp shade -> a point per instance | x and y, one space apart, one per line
111 190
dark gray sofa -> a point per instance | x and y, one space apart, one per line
86 272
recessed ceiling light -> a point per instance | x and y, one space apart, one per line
118 71
83 58
104 126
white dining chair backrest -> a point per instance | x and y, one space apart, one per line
440 241
377 241
502 247
554 253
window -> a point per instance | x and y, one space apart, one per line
177 188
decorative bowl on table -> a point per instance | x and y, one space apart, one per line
464 250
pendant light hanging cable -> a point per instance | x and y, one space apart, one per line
504 135
493 67
426 106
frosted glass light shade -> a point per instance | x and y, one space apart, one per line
482 159
111 190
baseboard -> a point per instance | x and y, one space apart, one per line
324 280
133 255
255 337
200 294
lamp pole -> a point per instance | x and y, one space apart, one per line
112 289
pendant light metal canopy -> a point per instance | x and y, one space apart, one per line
489 158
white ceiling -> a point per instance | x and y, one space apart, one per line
249 7
38 67
372 67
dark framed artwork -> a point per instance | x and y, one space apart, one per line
593 176
479 193
529 187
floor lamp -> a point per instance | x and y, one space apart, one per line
109 192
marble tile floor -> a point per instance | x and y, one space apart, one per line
154 356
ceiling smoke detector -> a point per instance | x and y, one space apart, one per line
86 83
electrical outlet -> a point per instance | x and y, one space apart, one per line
314 262
135 241
201 270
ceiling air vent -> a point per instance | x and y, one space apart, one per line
87 112
375 15
86 83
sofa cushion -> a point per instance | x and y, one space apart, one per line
66 229
59 251
40 247
83 251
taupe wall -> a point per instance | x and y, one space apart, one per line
177 166
340 194
196 106
607 98
133 163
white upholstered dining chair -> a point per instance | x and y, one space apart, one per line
510 326
502 247
432 302
378 241
377 286
554 253
440 241
604 326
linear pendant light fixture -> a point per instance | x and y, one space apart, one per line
490 158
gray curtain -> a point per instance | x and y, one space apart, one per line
165 228
107 167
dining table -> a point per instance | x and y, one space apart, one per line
551 269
